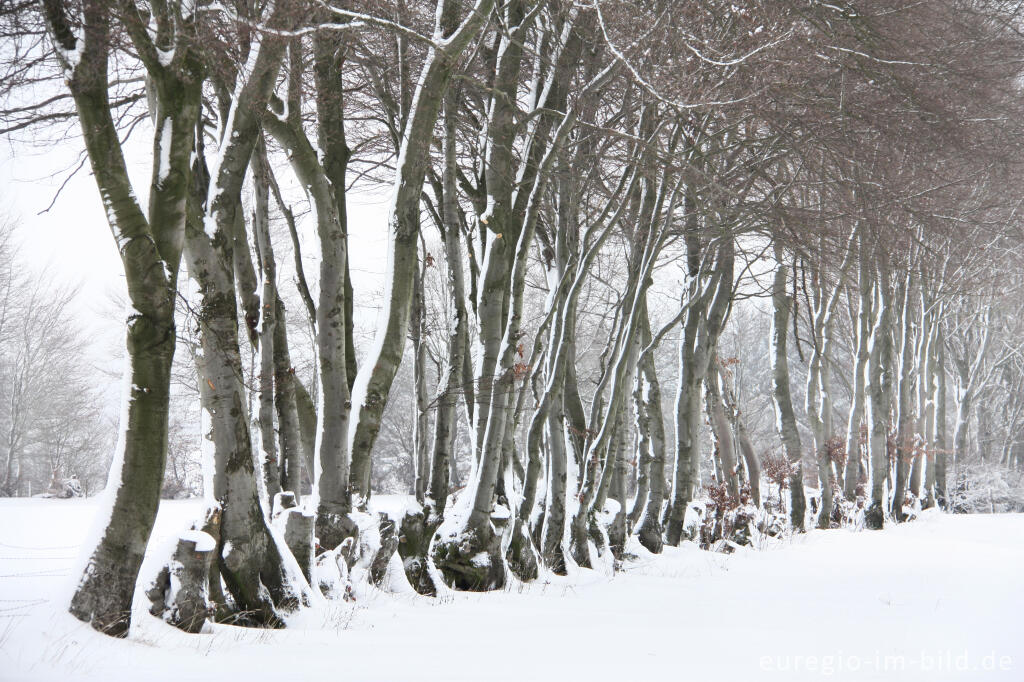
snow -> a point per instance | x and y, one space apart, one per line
165 151
165 56
105 501
204 541
936 599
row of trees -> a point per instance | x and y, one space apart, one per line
54 426
606 181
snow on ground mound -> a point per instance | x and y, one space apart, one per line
936 599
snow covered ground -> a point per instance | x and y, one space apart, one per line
939 598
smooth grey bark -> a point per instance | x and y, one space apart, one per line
649 387
642 427
333 524
150 247
651 231
250 559
929 391
298 535
925 407
417 322
306 411
617 531
329 50
333 321
454 553
246 283
277 373
549 417
818 402
782 304
855 465
905 415
704 320
968 365
373 382
939 438
290 442
272 468
880 407
453 376
501 220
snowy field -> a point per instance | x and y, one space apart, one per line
940 598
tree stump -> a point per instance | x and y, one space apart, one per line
388 545
180 594
415 532
298 535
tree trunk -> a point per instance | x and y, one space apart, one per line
905 414
721 431
880 392
650 532
417 331
750 458
854 462
939 440
452 379
782 304
272 468
150 250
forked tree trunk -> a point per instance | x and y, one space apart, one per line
150 249
251 562
333 524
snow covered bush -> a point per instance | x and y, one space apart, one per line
982 487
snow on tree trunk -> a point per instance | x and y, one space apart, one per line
417 331
904 407
939 439
150 249
880 390
785 418
855 465
649 526
267 328
452 377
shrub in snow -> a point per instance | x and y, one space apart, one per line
986 488
777 469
